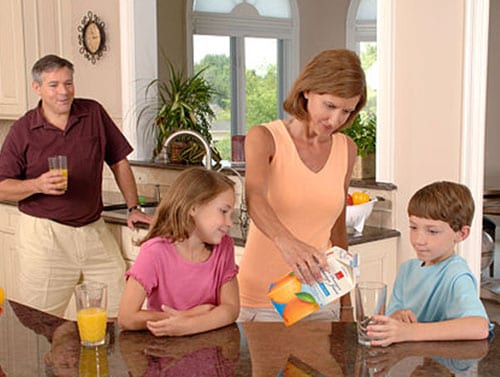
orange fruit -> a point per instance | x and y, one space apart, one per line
297 309
285 289
360 197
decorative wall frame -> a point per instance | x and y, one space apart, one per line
92 37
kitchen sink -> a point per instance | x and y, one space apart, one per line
148 208
113 207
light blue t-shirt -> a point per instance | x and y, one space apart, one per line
446 290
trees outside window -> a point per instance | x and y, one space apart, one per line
243 48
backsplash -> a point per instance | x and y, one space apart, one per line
382 214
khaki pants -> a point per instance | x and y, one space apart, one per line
53 258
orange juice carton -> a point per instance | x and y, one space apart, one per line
295 300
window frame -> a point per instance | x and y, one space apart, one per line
237 26
359 30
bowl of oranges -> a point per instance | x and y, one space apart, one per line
359 208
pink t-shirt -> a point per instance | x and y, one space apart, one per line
169 279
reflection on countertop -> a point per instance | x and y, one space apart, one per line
36 343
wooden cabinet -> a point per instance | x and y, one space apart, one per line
8 264
128 243
378 262
30 29
13 100
238 253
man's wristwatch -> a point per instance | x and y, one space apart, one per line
133 208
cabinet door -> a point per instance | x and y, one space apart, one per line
13 101
238 253
129 241
8 263
378 261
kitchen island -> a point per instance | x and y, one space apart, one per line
34 343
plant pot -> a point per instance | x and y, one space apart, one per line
175 154
364 167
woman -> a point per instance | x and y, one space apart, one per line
297 175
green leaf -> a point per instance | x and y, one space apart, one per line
180 102
363 132
307 297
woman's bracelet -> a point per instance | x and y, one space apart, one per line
346 307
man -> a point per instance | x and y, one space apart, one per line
61 238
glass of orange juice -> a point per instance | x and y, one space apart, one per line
60 164
91 302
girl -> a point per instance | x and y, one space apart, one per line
185 267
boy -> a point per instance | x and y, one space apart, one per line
435 296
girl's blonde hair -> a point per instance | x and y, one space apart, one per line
193 187
335 72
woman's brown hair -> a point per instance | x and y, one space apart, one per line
335 72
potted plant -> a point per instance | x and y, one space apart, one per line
181 103
364 133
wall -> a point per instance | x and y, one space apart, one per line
428 94
315 36
101 81
171 20
322 26
492 159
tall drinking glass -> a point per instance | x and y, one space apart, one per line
370 301
60 164
91 315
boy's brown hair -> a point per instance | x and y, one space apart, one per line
446 201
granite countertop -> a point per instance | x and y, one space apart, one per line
369 234
37 344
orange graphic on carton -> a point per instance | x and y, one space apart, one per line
285 289
298 308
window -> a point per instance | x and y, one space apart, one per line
361 34
246 48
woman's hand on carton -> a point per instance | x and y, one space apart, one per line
306 261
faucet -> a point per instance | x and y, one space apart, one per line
243 216
208 152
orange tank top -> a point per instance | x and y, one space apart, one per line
307 203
